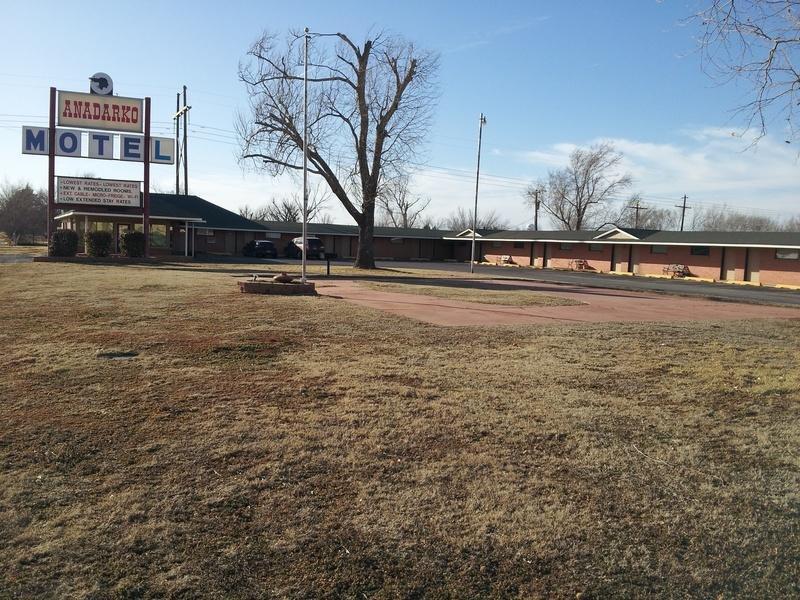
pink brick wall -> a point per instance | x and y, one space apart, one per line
699 266
597 260
776 270
492 251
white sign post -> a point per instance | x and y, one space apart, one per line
104 192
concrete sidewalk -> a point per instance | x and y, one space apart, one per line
599 305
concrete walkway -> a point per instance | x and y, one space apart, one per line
600 305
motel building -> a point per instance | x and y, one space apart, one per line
764 258
759 258
212 230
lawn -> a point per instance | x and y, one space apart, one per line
38 250
261 446
462 291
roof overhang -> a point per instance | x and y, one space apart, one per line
632 242
120 216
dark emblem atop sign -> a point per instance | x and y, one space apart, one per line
101 83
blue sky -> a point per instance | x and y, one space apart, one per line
549 76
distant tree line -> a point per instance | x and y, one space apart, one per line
592 191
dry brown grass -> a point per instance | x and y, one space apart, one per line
39 250
305 447
468 292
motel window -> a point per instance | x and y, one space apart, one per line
519 244
158 235
565 246
787 254
595 247
658 249
203 231
700 251
397 240
101 226
497 244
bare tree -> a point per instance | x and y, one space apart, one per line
399 206
461 220
23 212
722 218
290 210
757 41
578 194
369 105
534 196
792 224
650 217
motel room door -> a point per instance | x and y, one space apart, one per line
752 260
729 259
619 258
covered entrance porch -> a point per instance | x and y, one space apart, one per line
168 236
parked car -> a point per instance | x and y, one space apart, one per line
314 249
260 249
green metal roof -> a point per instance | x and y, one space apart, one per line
352 230
652 236
215 217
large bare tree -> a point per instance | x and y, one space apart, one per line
577 195
757 41
369 108
399 205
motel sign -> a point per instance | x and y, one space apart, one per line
99 126
69 142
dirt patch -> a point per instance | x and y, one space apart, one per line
471 291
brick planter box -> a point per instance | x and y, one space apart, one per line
272 287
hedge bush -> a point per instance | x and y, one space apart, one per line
99 243
63 243
131 244
249 248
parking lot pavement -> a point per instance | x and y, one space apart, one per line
15 258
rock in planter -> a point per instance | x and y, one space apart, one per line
283 278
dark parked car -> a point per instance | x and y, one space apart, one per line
314 249
260 249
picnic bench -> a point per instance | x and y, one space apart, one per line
504 259
579 264
676 270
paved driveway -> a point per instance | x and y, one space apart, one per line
719 291
597 305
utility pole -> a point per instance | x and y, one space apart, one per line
306 36
536 193
637 207
683 208
177 144
185 144
180 149
481 123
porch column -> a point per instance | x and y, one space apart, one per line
186 239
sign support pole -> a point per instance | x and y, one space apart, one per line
51 167
146 191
